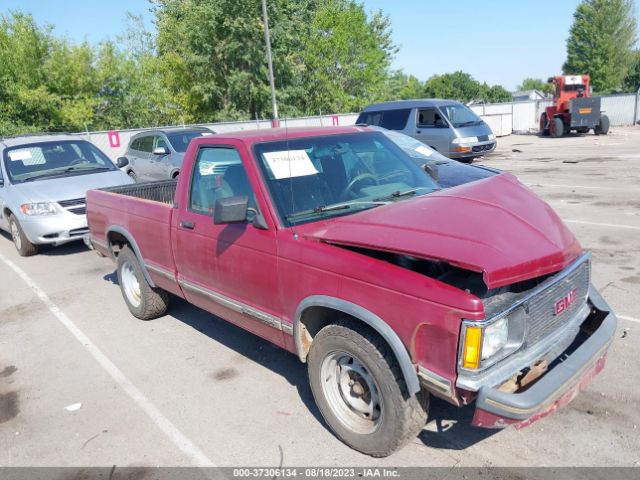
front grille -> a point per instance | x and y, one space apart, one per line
541 318
78 231
482 148
76 206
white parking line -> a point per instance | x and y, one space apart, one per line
610 225
630 319
168 428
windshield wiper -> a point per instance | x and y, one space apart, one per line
78 167
467 124
330 208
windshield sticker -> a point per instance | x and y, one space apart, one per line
16 155
424 151
290 163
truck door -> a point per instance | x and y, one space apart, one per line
229 270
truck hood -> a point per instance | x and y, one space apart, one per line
496 226
67 188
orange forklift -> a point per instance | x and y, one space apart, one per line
573 108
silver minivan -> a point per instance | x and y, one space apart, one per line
447 126
43 185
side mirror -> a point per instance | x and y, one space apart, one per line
161 151
122 162
431 169
231 210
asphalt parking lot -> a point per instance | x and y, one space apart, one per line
82 382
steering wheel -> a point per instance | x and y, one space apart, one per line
77 161
396 174
348 190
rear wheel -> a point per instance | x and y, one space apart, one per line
544 125
24 247
558 127
144 302
360 390
603 127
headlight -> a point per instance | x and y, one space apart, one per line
495 338
485 343
458 141
39 208
492 136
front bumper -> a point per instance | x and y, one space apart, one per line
475 150
557 387
55 229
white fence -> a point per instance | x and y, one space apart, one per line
525 116
503 118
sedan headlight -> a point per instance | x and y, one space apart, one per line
458 141
39 208
485 343
492 136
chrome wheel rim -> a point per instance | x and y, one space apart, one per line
351 392
130 284
15 235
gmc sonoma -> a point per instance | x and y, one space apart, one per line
333 244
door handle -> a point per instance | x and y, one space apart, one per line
188 225
418 131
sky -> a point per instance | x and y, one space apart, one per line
498 42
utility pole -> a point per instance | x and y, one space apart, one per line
267 40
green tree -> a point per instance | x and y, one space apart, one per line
601 42
463 87
400 86
536 84
346 57
631 82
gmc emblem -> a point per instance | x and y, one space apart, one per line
564 303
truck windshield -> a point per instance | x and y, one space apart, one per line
460 115
36 161
314 178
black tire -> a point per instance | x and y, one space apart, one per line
143 301
133 175
398 417
24 247
544 125
603 127
558 127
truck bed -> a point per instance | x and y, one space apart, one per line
163 191
142 211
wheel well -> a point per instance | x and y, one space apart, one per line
117 242
7 212
315 318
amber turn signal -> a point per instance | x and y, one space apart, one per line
472 347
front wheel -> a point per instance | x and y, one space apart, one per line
558 127
360 391
544 125
24 247
144 302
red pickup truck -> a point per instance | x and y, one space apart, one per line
333 244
